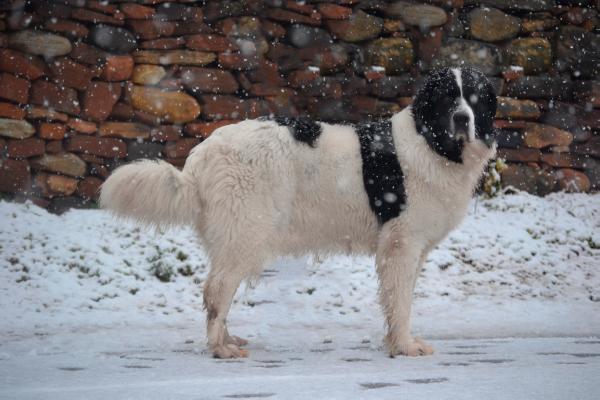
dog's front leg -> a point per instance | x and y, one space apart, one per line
399 260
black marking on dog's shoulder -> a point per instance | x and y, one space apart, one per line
382 174
304 129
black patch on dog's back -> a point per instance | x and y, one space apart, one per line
382 174
304 129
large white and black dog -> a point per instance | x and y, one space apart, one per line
262 189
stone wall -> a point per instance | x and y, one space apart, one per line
86 86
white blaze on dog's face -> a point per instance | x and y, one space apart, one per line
462 121
455 108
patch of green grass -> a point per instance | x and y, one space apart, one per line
592 244
162 271
181 256
186 270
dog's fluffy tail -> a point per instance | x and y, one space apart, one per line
151 192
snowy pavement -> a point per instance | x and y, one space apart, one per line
92 307
165 363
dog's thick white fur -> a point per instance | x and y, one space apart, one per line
254 193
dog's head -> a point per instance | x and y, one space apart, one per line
455 108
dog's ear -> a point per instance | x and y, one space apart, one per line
481 96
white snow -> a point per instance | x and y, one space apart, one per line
84 316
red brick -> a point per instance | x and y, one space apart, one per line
52 131
540 135
49 9
99 100
273 30
237 61
69 73
165 133
227 26
190 27
208 80
14 176
29 66
179 12
267 89
26 148
180 148
117 68
8 110
327 60
13 88
69 28
136 11
89 187
122 111
85 15
82 126
50 95
103 147
519 155
282 15
204 129
87 54
54 147
171 84
243 80
333 11
303 77
374 74
302 8
571 180
209 42
47 114
163 44
513 74
51 185
505 124
92 159
152 29
558 159
102 6
266 72
217 107
146 118
430 43
38 201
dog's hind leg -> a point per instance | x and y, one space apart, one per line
399 260
222 282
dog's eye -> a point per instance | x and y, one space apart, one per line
473 98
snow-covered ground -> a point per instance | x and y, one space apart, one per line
510 301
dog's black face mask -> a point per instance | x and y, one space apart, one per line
455 106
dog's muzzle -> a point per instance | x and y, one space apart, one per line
460 122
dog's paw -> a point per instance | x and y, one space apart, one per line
229 351
236 340
413 347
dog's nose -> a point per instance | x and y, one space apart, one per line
461 119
